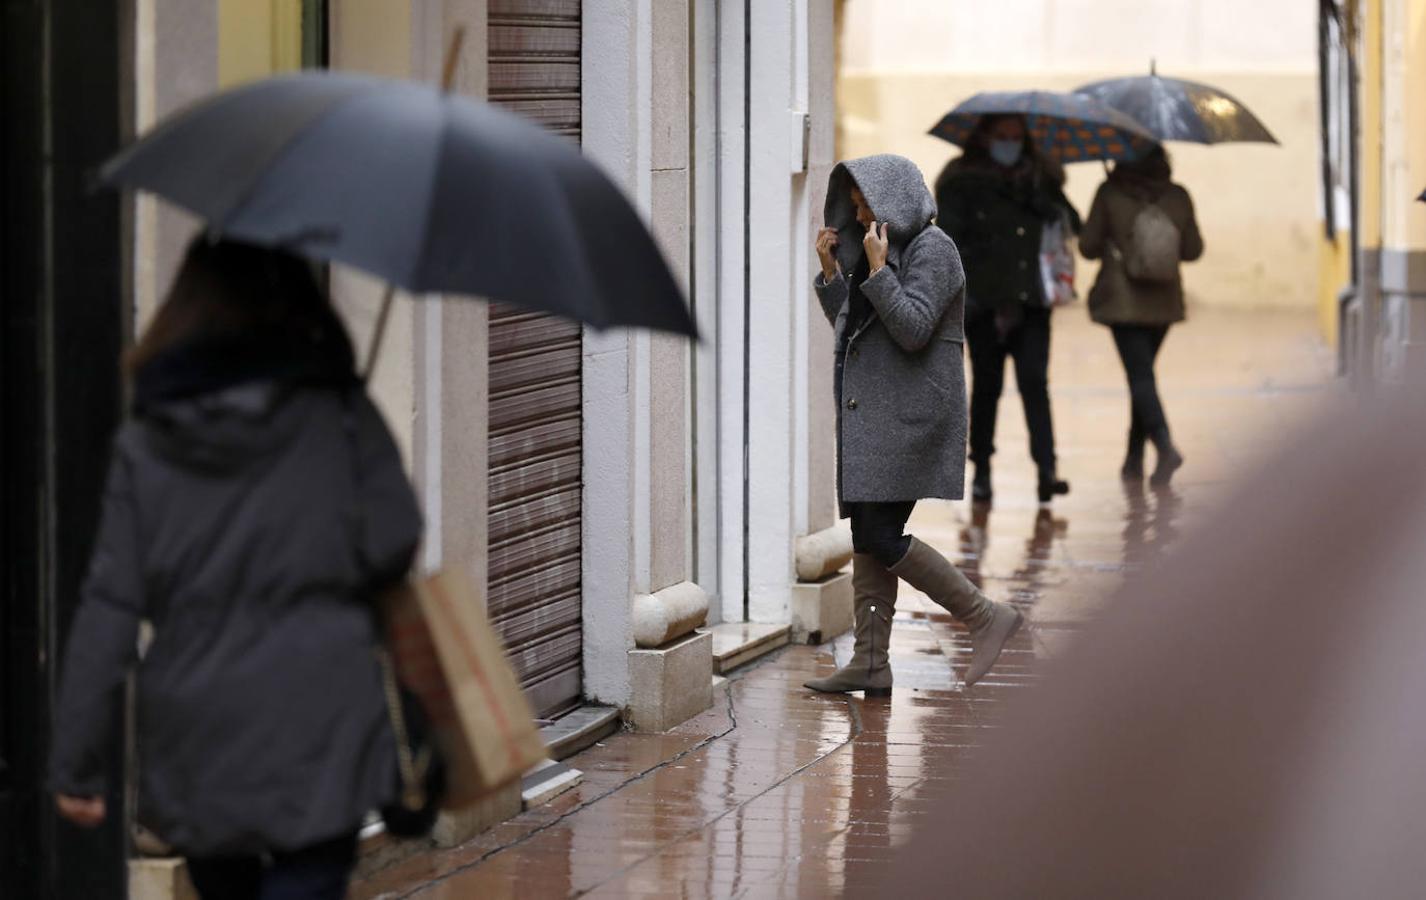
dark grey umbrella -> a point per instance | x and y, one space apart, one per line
428 190
1177 110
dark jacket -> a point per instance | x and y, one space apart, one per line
251 523
996 220
901 387
1116 299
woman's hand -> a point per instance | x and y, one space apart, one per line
826 253
876 243
86 812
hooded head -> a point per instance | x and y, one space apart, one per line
895 191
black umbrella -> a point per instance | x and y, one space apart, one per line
1177 110
428 190
1067 127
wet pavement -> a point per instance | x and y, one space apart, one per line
776 792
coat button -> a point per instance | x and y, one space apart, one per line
1020 232
1024 296
852 403
1023 264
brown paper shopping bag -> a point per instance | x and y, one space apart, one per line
446 652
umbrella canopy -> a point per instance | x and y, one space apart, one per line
428 190
1067 127
1176 110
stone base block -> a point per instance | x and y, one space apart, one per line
455 828
160 879
821 610
671 684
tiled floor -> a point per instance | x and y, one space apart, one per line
778 792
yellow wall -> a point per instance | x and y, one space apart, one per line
257 38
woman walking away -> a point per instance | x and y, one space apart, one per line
256 505
892 287
1143 226
994 201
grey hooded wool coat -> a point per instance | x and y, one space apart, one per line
252 526
901 399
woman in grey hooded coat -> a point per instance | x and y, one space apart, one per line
892 287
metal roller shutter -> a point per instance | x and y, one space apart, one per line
535 395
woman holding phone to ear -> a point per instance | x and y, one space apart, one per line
892 287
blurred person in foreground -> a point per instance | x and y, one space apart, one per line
891 286
1245 720
1143 226
255 506
995 201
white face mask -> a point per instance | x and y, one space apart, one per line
1006 153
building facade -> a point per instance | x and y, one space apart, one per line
1373 151
613 490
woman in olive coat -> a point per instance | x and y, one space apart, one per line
1139 311
994 201
892 288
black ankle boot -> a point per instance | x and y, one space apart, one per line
1051 486
980 487
1133 468
1170 460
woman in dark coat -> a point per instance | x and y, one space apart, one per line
1139 310
256 505
892 288
994 201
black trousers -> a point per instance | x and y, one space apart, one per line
1138 349
318 872
1028 343
879 529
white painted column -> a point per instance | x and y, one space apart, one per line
732 357
615 88
706 480
771 309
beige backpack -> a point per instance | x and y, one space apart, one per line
1155 246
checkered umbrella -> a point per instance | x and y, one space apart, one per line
1067 127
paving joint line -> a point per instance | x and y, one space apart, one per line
633 779
854 715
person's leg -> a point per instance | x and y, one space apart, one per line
987 359
877 534
318 872
226 878
1030 346
1138 348
991 624
1126 341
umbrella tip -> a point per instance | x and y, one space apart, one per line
1153 66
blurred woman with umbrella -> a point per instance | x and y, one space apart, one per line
256 507
1142 225
995 201
257 503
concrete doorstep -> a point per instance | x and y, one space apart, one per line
739 643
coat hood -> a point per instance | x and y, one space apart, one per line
227 430
217 405
893 187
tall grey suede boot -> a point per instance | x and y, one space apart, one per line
991 623
874 603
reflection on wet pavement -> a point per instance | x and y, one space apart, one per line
778 792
